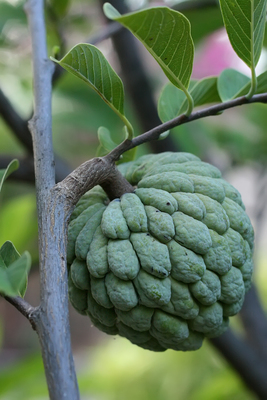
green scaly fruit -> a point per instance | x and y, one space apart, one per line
167 265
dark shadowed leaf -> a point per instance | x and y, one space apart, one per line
4 173
105 140
14 270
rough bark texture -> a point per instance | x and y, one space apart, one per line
51 318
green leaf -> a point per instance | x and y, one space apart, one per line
8 254
4 173
88 63
163 135
127 156
107 144
261 85
245 24
104 137
172 101
230 82
167 36
203 92
14 270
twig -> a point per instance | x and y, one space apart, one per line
25 173
20 128
154 133
52 322
23 307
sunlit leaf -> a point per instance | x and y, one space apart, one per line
230 82
88 63
245 23
166 35
14 270
4 173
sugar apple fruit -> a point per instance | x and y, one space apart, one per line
167 265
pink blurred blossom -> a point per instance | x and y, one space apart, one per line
216 54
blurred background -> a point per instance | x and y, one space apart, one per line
110 368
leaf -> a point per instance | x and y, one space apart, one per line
8 254
107 144
14 270
204 92
261 85
127 156
172 101
166 35
163 135
104 137
4 173
88 63
230 82
245 23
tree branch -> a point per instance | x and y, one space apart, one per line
51 318
243 358
194 5
153 134
25 173
20 128
17 124
255 323
106 32
23 307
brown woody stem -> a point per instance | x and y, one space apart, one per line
116 185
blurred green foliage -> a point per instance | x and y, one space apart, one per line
117 370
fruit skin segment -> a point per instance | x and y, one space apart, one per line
167 265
